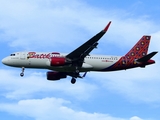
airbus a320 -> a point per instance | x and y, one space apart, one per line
61 65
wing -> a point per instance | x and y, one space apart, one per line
84 50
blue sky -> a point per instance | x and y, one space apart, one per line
51 25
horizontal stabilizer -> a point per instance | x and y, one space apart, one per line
147 57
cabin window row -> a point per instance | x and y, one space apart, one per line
112 58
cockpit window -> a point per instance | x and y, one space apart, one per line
12 55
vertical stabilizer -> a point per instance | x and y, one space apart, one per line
136 57
140 49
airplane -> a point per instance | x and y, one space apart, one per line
61 65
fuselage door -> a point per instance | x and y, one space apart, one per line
22 55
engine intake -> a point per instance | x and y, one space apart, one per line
55 75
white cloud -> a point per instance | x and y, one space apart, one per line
135 118
138 85
35 83
36 86
52 24
53 108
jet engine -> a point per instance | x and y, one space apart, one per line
55 75
57 61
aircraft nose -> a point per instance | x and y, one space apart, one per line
5 61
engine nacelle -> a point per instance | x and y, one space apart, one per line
57 61
55 75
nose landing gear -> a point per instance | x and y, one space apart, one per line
22 73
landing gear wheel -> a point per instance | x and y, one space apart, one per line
73 80
21 74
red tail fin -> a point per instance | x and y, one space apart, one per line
136 53
140 49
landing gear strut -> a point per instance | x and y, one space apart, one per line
73 80
22 73
75 75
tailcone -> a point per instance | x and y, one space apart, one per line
150 62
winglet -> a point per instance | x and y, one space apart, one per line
106 28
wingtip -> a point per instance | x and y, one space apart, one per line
106 28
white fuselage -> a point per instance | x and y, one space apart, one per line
41 60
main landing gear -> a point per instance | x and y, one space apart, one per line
73 80
22 73
76 74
